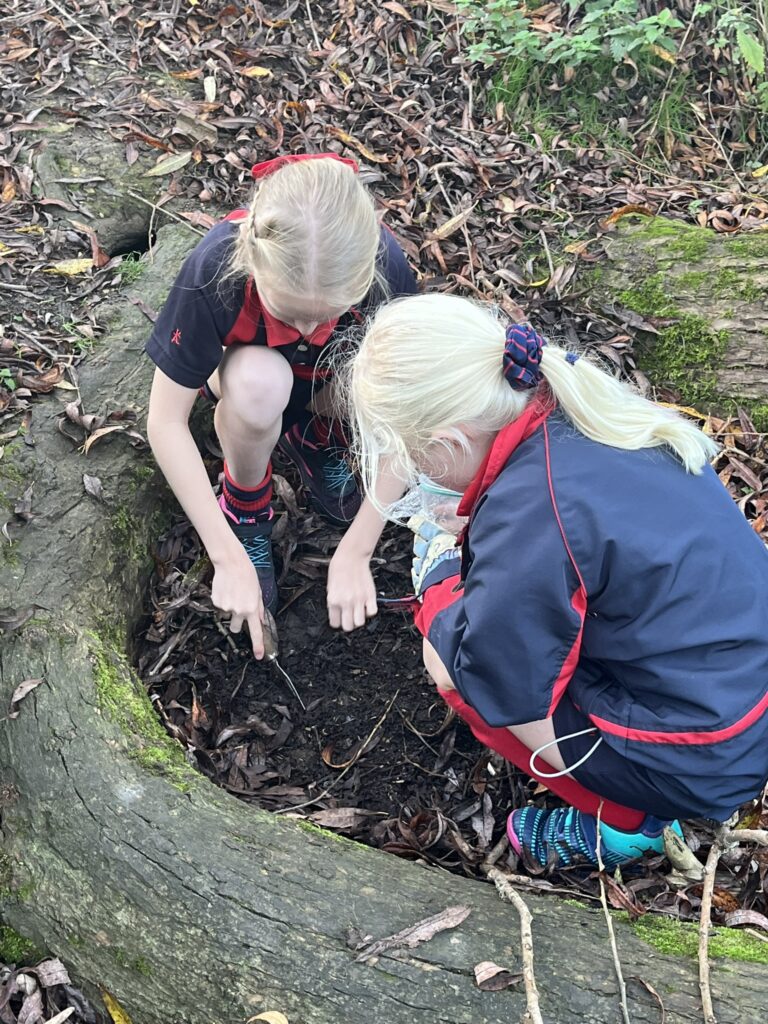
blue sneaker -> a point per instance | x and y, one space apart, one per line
326 475
567 836
256 538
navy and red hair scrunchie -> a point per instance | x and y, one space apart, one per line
522 356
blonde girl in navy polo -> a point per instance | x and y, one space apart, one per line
256 306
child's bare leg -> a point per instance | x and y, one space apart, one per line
254 384
532 734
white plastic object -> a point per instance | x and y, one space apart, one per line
436 503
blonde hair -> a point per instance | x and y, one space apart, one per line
434 363
312 228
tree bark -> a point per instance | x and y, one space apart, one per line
705 297
183 903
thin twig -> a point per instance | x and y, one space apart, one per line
705 922
549 259
609 923
507 892
85 31
340 776
166 213
312 25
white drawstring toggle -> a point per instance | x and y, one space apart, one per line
566 771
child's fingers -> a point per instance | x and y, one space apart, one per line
371 606
236 623
334 616
255 628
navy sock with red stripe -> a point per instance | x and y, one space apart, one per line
248 504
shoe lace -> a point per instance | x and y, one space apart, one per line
336 473
259 551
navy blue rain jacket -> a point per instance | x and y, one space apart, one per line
638 587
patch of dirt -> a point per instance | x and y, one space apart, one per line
376 754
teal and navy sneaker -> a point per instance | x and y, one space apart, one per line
326 474
567 836
256 537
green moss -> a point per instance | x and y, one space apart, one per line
122 698
309 826
650 298
128 533
758 412
142 966
680 240
679 939
751 292
10 889
12 478
693 279
138 964
753 244
15 949
686 356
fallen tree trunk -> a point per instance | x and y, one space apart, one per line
699 301
181 902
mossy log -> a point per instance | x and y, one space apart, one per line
181 902
706 294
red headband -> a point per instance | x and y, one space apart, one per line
263 170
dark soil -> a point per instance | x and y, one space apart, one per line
376 754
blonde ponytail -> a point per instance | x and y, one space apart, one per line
610 411
433 364
311 229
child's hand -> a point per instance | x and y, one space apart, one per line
431 547
235 589
351 592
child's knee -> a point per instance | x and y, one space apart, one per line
256 382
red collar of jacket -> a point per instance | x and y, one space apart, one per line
505 442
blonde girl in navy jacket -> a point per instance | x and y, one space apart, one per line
605 623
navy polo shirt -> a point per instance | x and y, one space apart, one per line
207 311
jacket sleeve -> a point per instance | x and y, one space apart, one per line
510 640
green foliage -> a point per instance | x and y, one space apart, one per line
596 30
131 268
15 949
605 28
7 380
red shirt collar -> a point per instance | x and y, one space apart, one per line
279 333
505 442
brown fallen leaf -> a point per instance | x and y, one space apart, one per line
623 211
270 1017
340 817
736 918
453 224
20 693
148 312
425 930
170 163
491 978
